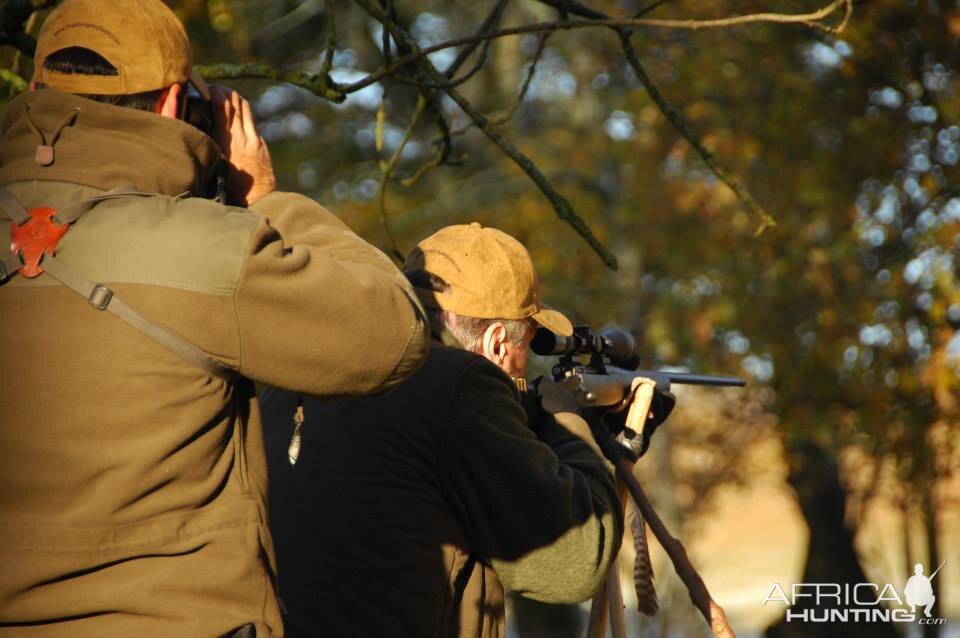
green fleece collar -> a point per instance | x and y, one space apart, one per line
105 146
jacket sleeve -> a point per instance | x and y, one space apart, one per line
545 513
321 311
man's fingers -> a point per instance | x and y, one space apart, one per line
235 103
222 115
222 107
641 392
631 395
644 385
248 124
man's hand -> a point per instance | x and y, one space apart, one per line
554 398
642 410
250 176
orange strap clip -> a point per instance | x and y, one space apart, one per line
37 236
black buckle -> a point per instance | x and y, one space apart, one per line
100 297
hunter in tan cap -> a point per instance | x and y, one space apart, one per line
453 486
489 275
142 39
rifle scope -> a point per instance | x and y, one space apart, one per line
616 344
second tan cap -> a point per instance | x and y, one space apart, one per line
489 273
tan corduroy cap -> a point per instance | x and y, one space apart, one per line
490 276
143 39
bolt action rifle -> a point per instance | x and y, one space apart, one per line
612 365
608 380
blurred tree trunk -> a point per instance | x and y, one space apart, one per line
930 525
831 557
929 509
908 550
921 481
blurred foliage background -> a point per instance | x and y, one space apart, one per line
844 315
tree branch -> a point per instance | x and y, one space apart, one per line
388 19
17 83
488 25
814 19
389 10
321 85
560 204
336 92
531 72
15 12
388 167
331 44
573 7
673 115
277 29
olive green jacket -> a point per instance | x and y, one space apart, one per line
132 484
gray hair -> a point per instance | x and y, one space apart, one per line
469 330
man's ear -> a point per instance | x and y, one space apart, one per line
450 319
169 103
494 343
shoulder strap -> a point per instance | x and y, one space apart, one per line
12 207
100 296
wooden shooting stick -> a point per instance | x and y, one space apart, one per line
609 596
712 612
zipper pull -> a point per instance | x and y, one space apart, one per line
293 452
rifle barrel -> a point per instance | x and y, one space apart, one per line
938 569
700 379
